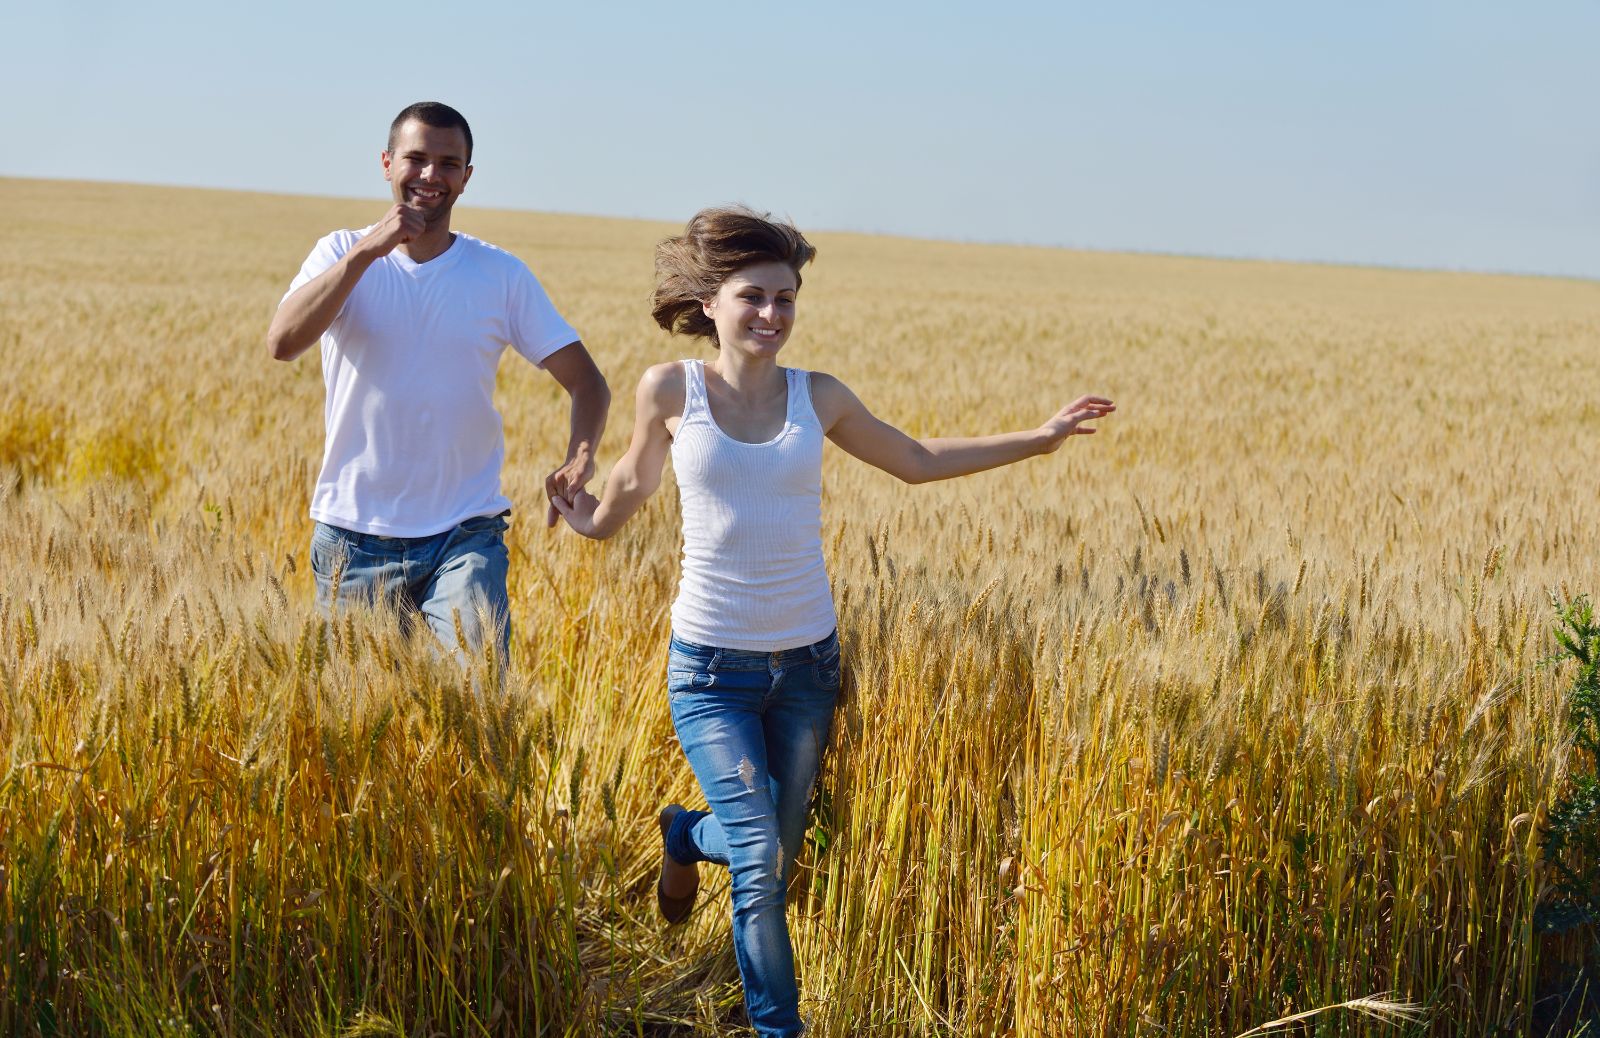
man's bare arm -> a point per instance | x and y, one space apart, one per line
306 314
572 366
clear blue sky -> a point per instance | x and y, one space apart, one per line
1454 135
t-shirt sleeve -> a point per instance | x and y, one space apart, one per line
537 330
324 254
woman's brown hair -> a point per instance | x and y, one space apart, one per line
716 244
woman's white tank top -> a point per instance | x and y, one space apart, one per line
753 575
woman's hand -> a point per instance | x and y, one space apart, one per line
578 510
1069 420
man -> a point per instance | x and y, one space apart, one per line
412 320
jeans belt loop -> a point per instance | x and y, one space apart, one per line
716 660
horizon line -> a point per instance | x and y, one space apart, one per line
930 238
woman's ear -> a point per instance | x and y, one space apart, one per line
709 307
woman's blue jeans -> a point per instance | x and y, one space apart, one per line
753 725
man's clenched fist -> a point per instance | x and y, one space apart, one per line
402 223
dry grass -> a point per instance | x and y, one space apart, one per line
1229 714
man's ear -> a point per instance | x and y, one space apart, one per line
387 160
466 175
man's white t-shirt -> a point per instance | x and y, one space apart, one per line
414 443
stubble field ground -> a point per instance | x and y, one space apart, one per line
1232 711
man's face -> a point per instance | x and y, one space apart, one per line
428 168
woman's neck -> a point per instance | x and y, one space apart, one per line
753 377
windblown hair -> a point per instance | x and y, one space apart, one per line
431 113
717 244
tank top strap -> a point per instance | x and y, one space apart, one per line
800 410
694 389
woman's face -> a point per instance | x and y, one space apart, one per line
754 309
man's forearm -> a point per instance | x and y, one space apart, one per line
590 403
574 369
305 315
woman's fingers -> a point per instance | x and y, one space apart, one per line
575 521
560 500
578 510
554 488
1086 408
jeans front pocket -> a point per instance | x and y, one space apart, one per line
482 525
686 679
828 666
330 550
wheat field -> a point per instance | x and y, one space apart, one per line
1232 712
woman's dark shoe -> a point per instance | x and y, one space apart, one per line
675 908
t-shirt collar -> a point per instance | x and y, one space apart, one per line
447 258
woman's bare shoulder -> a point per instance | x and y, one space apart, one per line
662 388
829 397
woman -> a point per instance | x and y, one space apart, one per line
753 668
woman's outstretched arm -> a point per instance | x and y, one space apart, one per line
637 473
849 424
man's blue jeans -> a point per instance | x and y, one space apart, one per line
753 725
458 573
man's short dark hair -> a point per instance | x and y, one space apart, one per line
431 113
